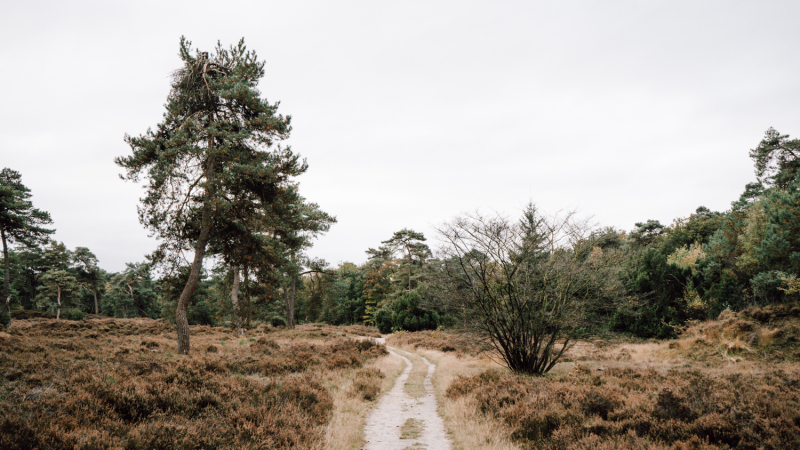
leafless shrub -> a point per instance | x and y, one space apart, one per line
524 285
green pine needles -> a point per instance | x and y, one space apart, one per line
217 180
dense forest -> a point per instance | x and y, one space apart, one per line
222 188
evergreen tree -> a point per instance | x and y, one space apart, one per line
132 293
777 159
211 150
89 275
57 283
307 222
411 243
20 222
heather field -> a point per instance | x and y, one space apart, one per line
116 383
728 383
119 383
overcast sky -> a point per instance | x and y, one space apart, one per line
411 112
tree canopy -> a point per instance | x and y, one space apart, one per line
20 222
213 165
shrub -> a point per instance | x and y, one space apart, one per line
201 313
408 315
5 319
277 321
523 285
74 314
584 410
367 383
383 319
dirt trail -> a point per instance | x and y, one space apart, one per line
385 424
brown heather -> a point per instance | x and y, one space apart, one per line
107 383
769 333
443 341
641 408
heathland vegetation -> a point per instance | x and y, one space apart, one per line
271 348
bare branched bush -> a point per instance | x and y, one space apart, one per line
524 285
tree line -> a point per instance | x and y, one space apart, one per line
222 199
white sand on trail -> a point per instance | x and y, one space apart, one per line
396 407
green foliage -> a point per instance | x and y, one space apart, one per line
780 247
661 287
524 285
20 222
171 286
132 293
90 277
377 288
57 285
416 252
5 318
277 321
647 233
216 177
409 316
201 313
777 159
383 320
74 314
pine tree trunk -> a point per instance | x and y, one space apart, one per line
58 311
246 293
181 319
235 301
409 267
290 309
96 307
6 271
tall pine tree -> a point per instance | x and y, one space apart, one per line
20 222
216 146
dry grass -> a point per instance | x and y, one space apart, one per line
412 429
770 333
361 330
113 383
414 386
443 341
466 428
629 395
349 390
634 408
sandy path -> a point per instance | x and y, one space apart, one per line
382 431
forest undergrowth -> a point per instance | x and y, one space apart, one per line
119 383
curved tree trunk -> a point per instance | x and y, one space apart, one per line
290 292
58 311
408 250
235 301
291 302
6 270
181 319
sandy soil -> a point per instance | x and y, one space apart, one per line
393 410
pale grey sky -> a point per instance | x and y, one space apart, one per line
412 112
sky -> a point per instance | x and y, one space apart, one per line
412 112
